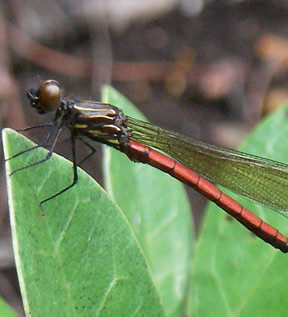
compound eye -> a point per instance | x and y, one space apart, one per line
49 96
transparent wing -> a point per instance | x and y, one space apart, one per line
262 180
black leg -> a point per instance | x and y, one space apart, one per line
51 150
93 151
75 176
35 127
44 143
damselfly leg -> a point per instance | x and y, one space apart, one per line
93 151
51 150
75 175
43 144
75 165
43 125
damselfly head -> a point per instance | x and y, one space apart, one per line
47 98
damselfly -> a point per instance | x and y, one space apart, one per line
191 161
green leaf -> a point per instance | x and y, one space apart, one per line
6 310
157 209
236 273
82 257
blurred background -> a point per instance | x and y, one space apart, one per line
209 69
